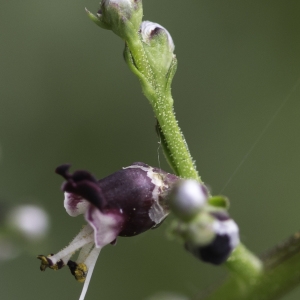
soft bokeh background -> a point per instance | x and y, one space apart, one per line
67 96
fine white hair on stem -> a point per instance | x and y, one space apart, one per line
90 263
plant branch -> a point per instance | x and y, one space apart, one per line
162 103
245 267
280 274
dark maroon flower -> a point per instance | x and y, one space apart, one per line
125 203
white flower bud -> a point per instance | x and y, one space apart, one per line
150 29
188 198
30 220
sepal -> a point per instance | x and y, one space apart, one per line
219 201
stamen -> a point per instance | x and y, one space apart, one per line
47 263
78 268
90 263
79 271
57 261
84 252
84 237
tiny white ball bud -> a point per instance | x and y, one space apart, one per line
188 198
30 220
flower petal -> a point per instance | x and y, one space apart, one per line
75 205
107 226
82 184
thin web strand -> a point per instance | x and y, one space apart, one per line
285 100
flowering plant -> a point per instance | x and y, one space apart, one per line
140 197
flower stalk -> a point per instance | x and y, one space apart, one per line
138 197
158 92
149 53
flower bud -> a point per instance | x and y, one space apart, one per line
225 241
159 47
152 32
31 221
187 198
123 17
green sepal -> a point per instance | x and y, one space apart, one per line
219 201
147 88
197 231
160 57
170 76
97 20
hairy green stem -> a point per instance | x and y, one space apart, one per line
250 278
245 266
162 105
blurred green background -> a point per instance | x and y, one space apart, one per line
66 95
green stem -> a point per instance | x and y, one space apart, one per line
245 263
250 279
175 141
244 266
163 110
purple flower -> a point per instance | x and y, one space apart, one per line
125 203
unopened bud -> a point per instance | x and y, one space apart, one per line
123 17
187 198
225 241
159 47
151 32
